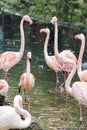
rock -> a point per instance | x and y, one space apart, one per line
35 125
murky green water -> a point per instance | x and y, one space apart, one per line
48 108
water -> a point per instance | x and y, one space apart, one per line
44 105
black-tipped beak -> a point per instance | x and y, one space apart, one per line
30 59
63 71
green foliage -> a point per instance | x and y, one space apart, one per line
43 10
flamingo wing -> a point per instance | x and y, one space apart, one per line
52 63
8 59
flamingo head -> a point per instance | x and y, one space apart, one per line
68 65
27 19
18 101
79 36
29 56
20 104
54 20
45 30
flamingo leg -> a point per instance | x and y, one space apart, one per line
80 114
62 90
65 77
8 95
28 100
66 99
56 87
24 95
6 76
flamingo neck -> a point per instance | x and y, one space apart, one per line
46 45
26 115
22 39
27 119
81 55
28 67
56 39
56 43
68 81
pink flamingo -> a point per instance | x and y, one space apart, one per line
78 89
10 117
27 79
9 58
61 57
50 60
82 74
65 53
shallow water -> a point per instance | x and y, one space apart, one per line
48 108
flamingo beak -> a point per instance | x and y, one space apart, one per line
30 59
76 37
31 22
63 68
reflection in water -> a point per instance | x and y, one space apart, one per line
50 110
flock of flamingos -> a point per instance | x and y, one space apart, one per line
66 61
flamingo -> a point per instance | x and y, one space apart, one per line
82 74
27 79
9 58
3 90
62 55
65 53
10 117
78 89
50 60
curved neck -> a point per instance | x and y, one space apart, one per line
46 45
26 115
27 118
81 55
24 123
68 81
22 38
